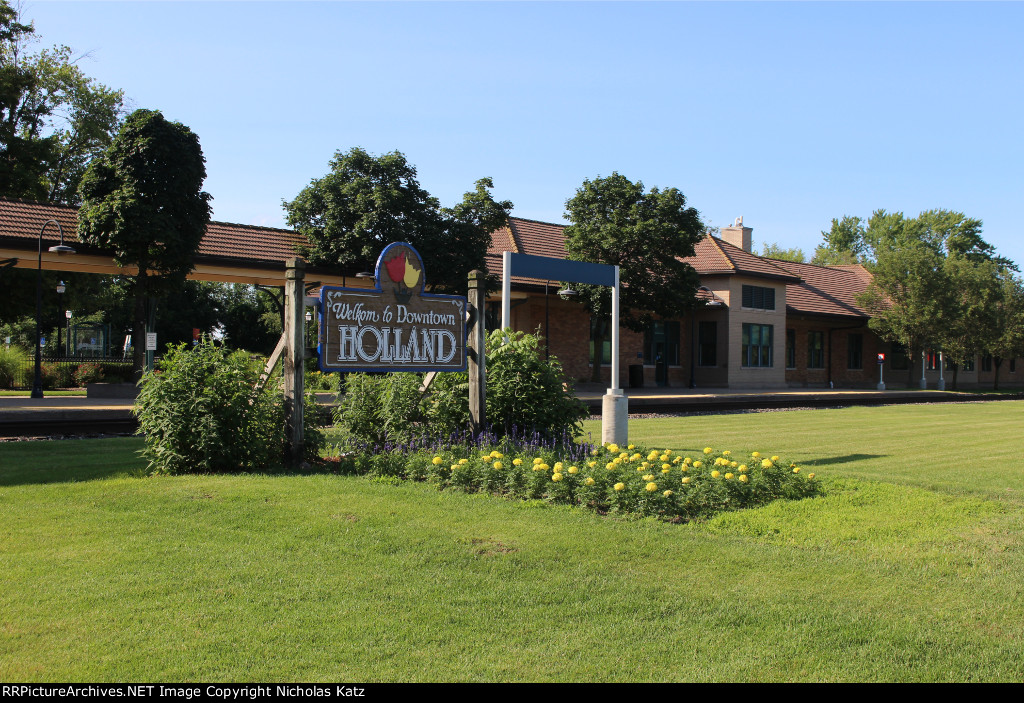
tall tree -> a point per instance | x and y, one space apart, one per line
968 325
908 297
1006 338
143 200
773 250
645 233
53 118
842 244
366 202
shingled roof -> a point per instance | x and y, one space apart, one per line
23 219
810 289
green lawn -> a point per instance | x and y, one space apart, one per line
910 568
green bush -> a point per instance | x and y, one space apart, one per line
200 412
12 360
527 395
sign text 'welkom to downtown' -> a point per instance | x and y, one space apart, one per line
395 326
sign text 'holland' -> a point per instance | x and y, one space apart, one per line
395 326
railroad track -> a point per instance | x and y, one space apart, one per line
68 427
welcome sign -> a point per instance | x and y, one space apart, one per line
395 326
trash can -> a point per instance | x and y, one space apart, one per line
636 375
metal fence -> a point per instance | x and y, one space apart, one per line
72 371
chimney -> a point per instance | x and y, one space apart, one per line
737 235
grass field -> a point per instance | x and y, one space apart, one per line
909 569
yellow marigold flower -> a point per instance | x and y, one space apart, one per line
729 476
640 469
767 464
775 458
708 450
796 470
463 462
810 475
648 477
558 466
556 477
726 453
486 458
619 486
666 466
687 461
544 467
610 466
591 464
677 460
613 448
455 467
743 468
667 451
498 465
538 460
651 487
537 467
684 469
663 457
653 455
715 474
635 457
517 461
593 452
437 461
686 479
617 461
573 470
667 493
631 447
497 455
756 455
665 471
589 481
744 478
624 456
698 464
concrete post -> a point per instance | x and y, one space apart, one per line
615 404
294 352
942 380
924 365
475 355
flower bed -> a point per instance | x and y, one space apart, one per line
664 483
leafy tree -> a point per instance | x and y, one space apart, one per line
614 221
366 202
969 322
142 200
909 296
53 119
772 250
843 244
248 319
1006 339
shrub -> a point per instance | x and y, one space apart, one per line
88 373
526 395
200 412
12 360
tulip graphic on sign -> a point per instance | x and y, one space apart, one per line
402 272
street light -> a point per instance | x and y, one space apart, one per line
67 314
60 303
37 385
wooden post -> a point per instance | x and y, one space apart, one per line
475 354
294 353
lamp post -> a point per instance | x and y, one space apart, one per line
67 314
37 385
60 303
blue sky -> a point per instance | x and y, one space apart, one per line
788 114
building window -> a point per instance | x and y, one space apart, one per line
790 349
707 344
968 365
1013 365
599 325
986 362
662 338
815 350
855 351
757 345
758 298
